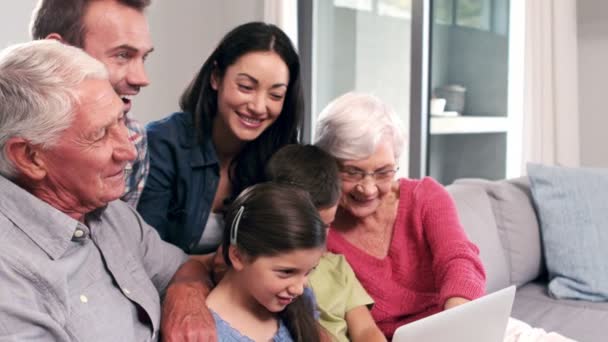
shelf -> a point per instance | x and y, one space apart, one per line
469 124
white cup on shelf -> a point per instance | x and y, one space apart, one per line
437 106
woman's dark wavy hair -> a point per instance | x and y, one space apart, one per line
278 218
200 99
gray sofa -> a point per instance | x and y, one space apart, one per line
500 218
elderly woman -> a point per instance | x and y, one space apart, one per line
401 236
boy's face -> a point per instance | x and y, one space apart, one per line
328 214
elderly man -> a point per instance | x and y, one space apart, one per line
76 263
115 32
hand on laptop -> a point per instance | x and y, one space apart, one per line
454 301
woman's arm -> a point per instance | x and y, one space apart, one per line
454 301
361 325
457 268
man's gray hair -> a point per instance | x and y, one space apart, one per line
38 85
352 126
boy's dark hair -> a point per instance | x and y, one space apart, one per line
277 218
65 17
310 168
200 99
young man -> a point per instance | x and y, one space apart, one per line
116 33
343 302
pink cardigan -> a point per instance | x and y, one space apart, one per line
430 259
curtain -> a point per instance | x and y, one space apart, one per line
551 119
284 14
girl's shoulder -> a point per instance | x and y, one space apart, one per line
283 334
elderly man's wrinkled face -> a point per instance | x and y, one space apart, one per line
85 170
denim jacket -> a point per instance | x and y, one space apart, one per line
183 180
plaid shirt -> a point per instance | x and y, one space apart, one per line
137 170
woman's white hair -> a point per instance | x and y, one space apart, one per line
38 85
352 126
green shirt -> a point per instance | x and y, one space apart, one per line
338 291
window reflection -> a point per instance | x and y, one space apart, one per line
395 8
473 14
485 15
443 11
359 5
390 8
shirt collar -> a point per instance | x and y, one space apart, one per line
49 228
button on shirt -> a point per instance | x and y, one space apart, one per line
62 280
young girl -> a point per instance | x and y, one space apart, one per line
274 238
244 104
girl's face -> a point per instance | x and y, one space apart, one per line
362 195
251 94
275 281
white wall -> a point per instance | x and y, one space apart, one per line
15 19
592 18
184 34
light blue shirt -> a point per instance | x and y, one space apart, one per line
61 280
226 333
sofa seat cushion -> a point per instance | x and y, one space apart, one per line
579 320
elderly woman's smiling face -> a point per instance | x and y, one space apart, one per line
366 182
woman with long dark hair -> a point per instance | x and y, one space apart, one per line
244 104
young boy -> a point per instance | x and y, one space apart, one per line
342 301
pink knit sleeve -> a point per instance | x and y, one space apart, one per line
457 268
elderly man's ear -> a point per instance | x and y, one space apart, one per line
26 158
55 36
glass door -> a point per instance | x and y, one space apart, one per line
357 45
468 105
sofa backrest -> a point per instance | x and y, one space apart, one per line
477 218
515 230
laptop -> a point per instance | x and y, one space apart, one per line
483 319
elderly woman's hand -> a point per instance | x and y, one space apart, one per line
454 301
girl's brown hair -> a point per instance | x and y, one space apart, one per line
274 219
